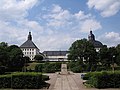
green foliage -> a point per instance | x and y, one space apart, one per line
83 51
103 79
2 69
38 58
118 56
23 80
108 56
48 67
11 57
76 66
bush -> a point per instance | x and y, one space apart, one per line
48 67
89 75
2 69
75 66
76 69
45 77
5 81
103 79
28 80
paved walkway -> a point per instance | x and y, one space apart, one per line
65 81
68 82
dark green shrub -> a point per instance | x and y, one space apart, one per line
48 67
76 69
28 80
89 75
5 81
45 77
39 68
104 80
75 66
2 69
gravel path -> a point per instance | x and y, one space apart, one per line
68 82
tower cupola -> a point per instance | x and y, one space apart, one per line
91 36
29 36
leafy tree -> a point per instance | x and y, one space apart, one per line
26 59
3 54
103 55
16 61
107 56
118 56
38 58
11 56
83 51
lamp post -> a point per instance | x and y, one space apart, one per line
113 69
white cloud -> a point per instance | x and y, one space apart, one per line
13 22
59 29
55 42
110 38
107 8
61 18
12 9
81 16
90 24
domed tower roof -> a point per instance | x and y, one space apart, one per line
91 38
97 44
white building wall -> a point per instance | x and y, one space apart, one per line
30 52
56 58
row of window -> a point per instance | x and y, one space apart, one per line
28 49
28 53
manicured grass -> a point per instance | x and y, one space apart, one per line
32 66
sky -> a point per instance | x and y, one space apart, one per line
56 24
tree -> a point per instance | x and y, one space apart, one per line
26 59
118 56
11 57
3 54
83 51
104 56
108 56
38 58
16 61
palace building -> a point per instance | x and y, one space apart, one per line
97 44
55 55
29 48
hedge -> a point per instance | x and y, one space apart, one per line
23 80
104 79
48 67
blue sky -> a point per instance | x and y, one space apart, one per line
56 24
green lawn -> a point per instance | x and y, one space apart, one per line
32 65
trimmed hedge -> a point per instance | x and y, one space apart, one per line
48 67
23 80
89 75
103 79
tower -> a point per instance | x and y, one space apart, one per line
91 36
29 36
97 44
29 48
